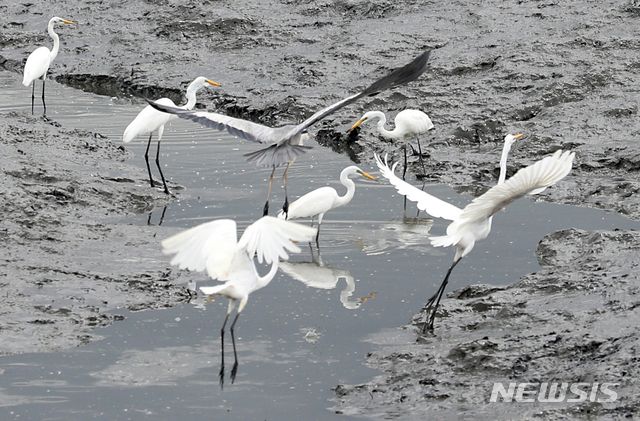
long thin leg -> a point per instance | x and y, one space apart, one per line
164 183
33 95
265 212
404 171
43 103
424 171
221 374
431 307
146 159
285 207
234 370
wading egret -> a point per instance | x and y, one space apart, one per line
39 61
150 120
473 223
285 143
407 123
214 247
322 200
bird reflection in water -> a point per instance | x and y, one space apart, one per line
317 274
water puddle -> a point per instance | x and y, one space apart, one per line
308 331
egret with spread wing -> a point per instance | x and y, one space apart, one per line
320 201
150 120
407 123
214 247
39 61
473 223
285 142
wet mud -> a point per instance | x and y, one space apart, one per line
563 73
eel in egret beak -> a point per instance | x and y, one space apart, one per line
359 122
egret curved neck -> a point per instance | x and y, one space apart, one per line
263 281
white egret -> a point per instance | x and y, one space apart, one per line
150 120
473 223
285 142
407 123
214 247
320 201
39 61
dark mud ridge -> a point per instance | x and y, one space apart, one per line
66 261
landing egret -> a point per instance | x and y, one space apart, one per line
320 201
214 247
407 123
285 143
152 121
473 223
39 61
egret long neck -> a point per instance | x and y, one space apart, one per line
351 190
503 162
382 120
263 281
191 97
56 41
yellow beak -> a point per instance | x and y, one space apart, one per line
359 122
210 82
367 175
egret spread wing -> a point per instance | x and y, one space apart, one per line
530 180
271 238
398 77
432 205
209 246
235 126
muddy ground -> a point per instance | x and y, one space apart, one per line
563 73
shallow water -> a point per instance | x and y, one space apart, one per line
163 364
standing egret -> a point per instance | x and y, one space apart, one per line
149 120
473 223
285 143
407 123
214 247
322 200
39 61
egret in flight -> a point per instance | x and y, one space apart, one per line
473 223
39 61
285 142
150 120
407 123
320 201
214 247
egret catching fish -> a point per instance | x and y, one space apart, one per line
407 123
151 121
473 223
286 142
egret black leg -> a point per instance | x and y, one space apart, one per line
164 183
33 95
234 370
424 171
265 212
146 159
431 307
285 207
404 171
44 105
221 374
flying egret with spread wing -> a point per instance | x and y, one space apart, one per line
214 247
151 121
39 61
320 201
285 142
407 123
473 223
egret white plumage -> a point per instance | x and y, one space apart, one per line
214 247
151 121
407 123
473 223
285 142
40 59
320 201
